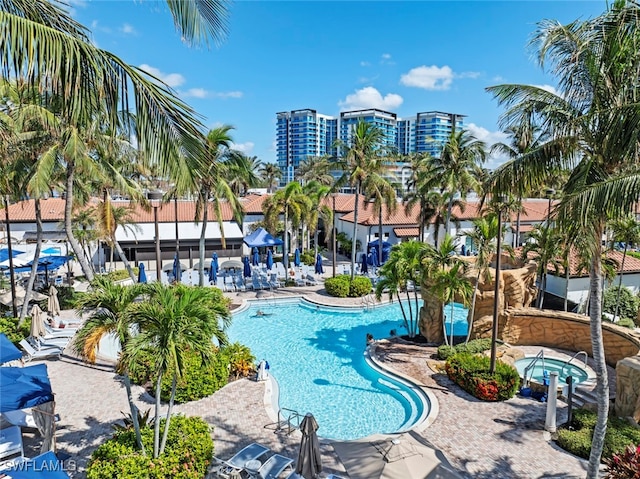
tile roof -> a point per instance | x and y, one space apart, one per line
252 204
407 232
370 217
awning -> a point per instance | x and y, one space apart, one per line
261 237
406 232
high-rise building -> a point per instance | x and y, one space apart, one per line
301 134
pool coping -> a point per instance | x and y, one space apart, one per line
591 374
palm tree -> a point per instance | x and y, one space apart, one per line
451 284
317 193
382 195
84 229
109 218
270 174
109 305
544 246
294 204
485 232
457 170
315 168
241 171
418 190
404 266
626 230
361 161
593 124
174 320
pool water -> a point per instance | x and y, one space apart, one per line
316 354
460 321
537 373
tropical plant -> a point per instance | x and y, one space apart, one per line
270 174
109 218
543 246
174 320
381 194
315 168
626 230
451 284
241 171
317 193
592 123
404 269
471 372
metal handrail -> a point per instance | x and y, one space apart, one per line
288 421
531 365
586 357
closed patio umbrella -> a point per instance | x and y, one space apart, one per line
247 267
255 258
53 305
213 270
269 259
37 322
364 268
374 257
296 258
177 269
319 269
142 275
309 463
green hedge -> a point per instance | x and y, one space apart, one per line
628 306
308 258
473 346
341 286
187 453
198 380
9 326
471 372
576 437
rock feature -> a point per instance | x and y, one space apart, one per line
628 388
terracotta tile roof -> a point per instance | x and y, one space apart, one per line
53 210
369 216
252 204
344 202
524 228
407 232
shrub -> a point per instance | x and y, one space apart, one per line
120 274
471 372
186 456
359 287
474 346
626 323
338 286
308 258
9 326
576 437
629 303
198 380
625 465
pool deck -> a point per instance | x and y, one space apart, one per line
482 440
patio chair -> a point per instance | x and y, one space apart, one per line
300 281
236 464
273 281
228 284
274 466
58 332
240 284
44 343
255 282
32 353
311 280
264 282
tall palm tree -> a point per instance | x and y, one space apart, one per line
174 320
362 160
315 168
241 171
109 219
404 266
457 170
626 230
593 124
317 193
418 189
109 306
485 232
381 193
451 284
270 174
544 245
294 205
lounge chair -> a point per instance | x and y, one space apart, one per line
46 343
311 280
236 464
273 281
58 332
274 466
32 353
255 282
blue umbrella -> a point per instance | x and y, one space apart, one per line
296 257
247 267
364 269
4 253
177 272
8 351
213 270
255 259
142 275
319 269
44 466
269 259
374 257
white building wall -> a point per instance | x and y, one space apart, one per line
579 287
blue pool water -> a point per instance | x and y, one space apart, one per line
317 357
460 321
574 369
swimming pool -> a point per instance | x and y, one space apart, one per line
460 321
580 374
316 354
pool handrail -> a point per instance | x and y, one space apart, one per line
530 366
586 357
286 423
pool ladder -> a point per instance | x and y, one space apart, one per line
530 366
288 420
579 353
368 302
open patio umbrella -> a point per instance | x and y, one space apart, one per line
364 268
319 269
8 351
177 269
37 322
255 258
247 267
53 305
5 298
309 463
296 258
142 275
269 259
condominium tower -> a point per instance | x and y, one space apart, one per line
301 134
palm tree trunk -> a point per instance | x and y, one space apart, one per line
355 232
449 212
473 307
68 226
624 257
543 286
380 235
410 326
134 412
156 425
315 241
285 249
444 325
600 366
566 286
404 314
165 433
124 259
451 326
34 266
540 292
414 322
202 242
517 239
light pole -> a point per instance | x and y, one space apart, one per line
549 192
496 302
179 272
12 274
333 234
155 196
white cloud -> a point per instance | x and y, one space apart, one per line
386 56
95 25
171 79
246 147
128 29
202 93
228 94
369 97
429 78
549 88
364 64
498 79
473 75
490 138
196 93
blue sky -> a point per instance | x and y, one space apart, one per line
405 57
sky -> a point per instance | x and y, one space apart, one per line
403 56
